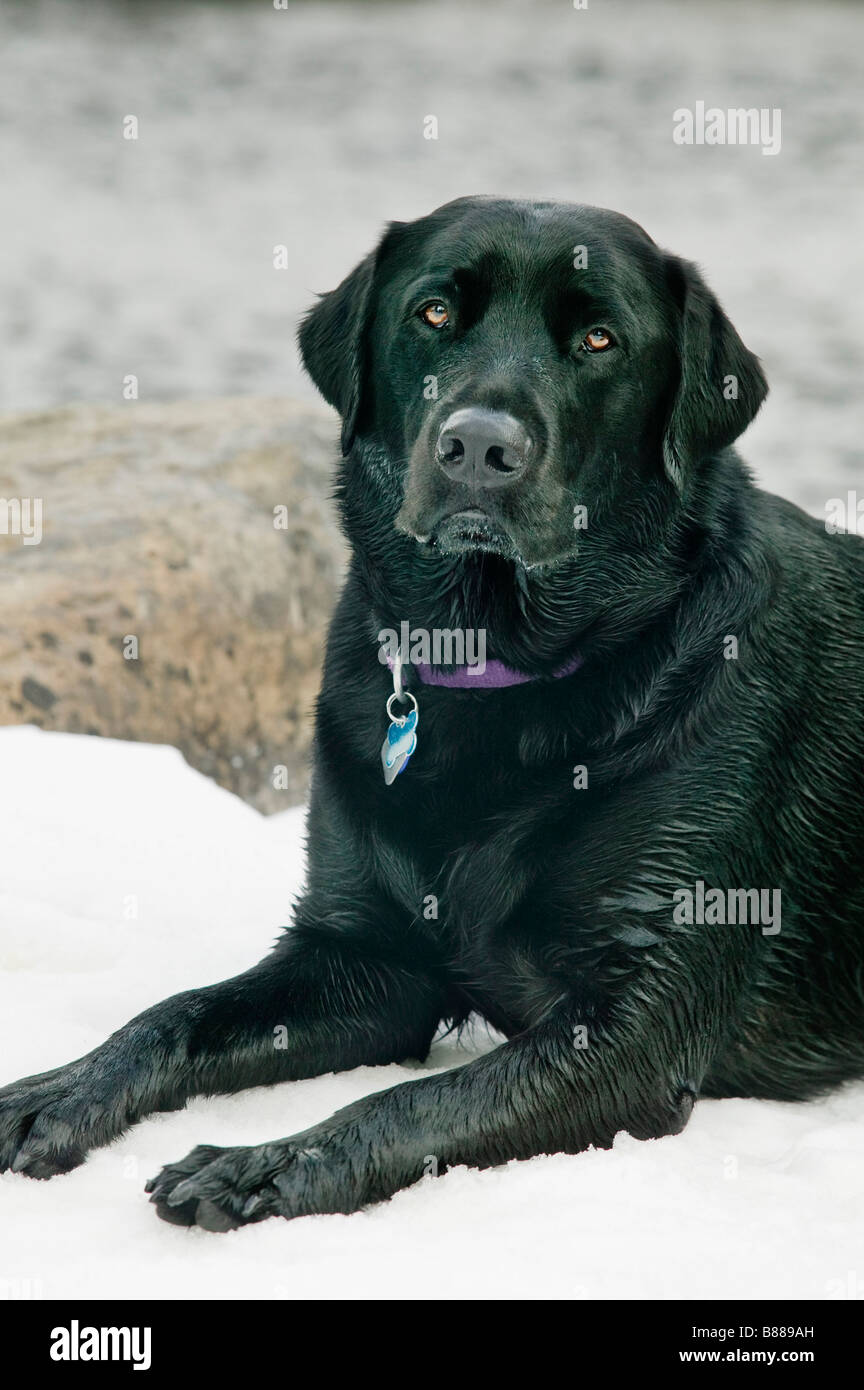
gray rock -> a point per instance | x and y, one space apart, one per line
158 525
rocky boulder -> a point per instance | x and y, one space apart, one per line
181 582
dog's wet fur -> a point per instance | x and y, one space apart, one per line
492 380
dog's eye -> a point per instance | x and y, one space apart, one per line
435 314
598 340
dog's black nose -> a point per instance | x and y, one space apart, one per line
482 448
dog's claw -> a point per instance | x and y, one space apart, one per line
182 1192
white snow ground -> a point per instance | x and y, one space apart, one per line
753 1200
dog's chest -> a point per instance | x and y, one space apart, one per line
471 828
511 951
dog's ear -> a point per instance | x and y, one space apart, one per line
332 340
721 384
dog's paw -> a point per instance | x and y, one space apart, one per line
220 1189
48 1123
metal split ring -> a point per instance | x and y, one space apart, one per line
403 695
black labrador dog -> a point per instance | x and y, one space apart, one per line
630 837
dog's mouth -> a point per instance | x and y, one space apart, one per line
469 530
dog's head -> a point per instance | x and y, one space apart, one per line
520 376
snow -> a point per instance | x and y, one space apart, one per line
753 1200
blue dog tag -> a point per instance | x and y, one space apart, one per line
399 744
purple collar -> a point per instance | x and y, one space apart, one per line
494 676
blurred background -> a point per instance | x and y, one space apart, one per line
302 127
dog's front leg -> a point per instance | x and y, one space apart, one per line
317 1004
552 1089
